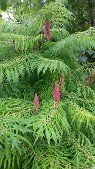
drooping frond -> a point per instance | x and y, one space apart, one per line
10 107
76 44
21 43
83 119
12 27
58 34
52 123
15 68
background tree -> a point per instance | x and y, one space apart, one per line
84 12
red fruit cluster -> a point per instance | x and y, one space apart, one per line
47 30
90 78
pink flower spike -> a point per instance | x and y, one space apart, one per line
36 100
56 93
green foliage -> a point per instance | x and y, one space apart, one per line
14 69
46 137
58 34
76 44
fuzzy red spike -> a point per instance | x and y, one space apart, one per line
56 93
47 30
36 100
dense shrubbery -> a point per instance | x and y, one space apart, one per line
56 131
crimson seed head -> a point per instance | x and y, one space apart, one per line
56 93
36 100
